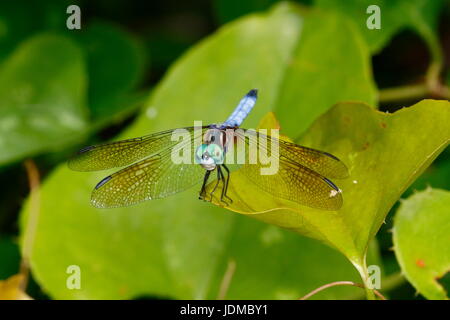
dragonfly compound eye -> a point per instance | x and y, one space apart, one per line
201 153
216 152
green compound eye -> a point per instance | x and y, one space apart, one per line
199 153
208 153
215 152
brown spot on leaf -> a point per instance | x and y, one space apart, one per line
383 125
347 119
420 263
365 146
123 290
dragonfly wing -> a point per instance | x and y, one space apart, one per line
293 181
321 162
155 177
297 183
122 153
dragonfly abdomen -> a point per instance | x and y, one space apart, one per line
242 110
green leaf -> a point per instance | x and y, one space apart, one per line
17 24
180 246
325 67
42 92
115 65
384 153
421 241
178 249
301 69
419 15
272 263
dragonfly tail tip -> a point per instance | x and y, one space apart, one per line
253 93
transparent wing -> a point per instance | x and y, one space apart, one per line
122 153
296 179
321 162
152 178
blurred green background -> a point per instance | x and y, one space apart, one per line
137 67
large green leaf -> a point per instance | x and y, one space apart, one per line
325 67
302 68
422 242
179 247
114 57
419 15
42 97
385 153
115 64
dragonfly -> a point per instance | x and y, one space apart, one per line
149 172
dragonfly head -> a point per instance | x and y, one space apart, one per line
209 155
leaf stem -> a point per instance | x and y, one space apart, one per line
389 283
225 284
30 228
403 93
340 283
361 266
432 85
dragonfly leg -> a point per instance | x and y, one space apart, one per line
222 177
217 183
203 190
226 183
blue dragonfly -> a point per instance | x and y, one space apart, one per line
149 172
